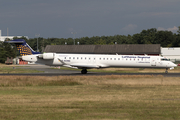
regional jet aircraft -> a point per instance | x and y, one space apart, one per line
89 61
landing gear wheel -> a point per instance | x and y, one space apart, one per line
166 71
83 71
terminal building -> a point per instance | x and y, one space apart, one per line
3 38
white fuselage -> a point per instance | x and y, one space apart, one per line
99 61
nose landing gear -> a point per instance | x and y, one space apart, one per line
166 71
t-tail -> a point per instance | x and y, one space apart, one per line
23 47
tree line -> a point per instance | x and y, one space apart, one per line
7 50
149 36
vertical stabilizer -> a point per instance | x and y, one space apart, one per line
23 47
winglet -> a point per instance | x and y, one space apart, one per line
61 61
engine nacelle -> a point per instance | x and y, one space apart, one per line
48 56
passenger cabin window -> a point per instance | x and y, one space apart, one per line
118 58
64 57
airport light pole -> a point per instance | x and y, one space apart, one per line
73 36
37 41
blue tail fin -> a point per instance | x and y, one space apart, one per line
23 47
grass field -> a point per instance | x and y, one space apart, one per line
93 97
4 69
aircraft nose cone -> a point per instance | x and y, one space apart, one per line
174 65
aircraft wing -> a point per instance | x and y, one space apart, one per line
81 65
84 65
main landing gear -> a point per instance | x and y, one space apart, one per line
83 71
166 71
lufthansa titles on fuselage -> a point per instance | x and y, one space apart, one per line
141 57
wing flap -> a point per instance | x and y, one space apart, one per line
84 65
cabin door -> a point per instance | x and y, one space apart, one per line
153 62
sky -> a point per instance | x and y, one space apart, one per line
86 18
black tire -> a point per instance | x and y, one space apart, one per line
84 71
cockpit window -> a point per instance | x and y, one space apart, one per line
164 59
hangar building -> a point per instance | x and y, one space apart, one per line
172 53
128 49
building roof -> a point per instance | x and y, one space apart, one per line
106 49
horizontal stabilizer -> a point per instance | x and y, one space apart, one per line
14 41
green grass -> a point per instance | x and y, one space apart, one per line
15 69
92 97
